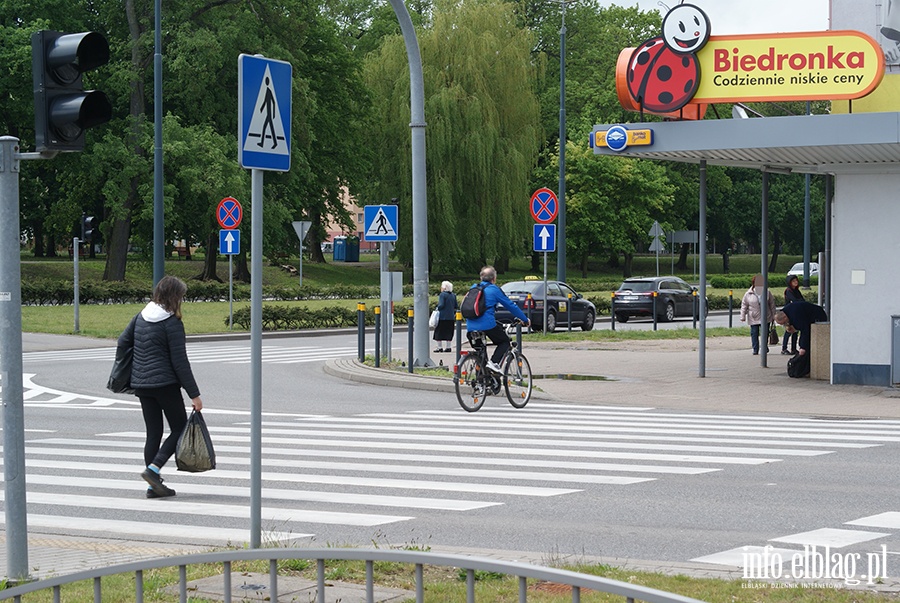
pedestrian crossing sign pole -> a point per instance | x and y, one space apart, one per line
264 143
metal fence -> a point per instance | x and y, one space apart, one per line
523 571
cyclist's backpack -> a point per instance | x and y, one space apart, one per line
474 303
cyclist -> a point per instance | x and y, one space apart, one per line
493 296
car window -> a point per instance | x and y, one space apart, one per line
638 286
566 291
666 285
553 290
520 287
682 286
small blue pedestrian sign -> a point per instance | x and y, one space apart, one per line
380 223
229 242
264 113
545 237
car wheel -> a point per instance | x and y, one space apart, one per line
621 317
551 323
670 312
588 323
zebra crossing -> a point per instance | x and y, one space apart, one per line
235 352
379 469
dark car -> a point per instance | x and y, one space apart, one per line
635 298
563 305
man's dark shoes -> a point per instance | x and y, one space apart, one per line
156 484
784 352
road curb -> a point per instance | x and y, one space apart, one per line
352 369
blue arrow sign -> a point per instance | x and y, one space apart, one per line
380 223
545 237
264 113
229 242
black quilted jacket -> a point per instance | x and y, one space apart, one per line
160 355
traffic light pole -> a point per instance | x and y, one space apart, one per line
11 358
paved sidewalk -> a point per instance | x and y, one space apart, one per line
660 374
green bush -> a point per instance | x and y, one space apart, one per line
292 318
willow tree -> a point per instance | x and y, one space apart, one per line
483 132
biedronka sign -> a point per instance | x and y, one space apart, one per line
685 68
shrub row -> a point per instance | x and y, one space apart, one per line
290 318
741 282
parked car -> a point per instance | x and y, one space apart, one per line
563 304
635 298
797 269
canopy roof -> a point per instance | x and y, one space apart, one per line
817 144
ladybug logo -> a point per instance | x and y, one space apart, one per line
663 72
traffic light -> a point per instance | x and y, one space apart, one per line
89 225
63 110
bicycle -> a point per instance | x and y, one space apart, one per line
475 382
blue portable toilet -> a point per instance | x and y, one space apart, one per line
340 249
352 254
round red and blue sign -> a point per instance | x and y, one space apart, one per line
544 206
229 213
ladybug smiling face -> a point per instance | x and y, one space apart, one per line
685 29
663 72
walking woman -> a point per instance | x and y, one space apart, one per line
160 371
751 311
446 307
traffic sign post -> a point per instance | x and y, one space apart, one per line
544 208
301 228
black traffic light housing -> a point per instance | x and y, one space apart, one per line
89 226
63 110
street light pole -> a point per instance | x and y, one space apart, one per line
561 192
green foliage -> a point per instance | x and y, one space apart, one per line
279 318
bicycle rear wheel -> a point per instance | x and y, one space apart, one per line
470 389
517 380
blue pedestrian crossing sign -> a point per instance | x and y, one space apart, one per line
230 242
264 113
545 237
380 223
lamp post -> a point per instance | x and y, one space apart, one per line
561 191
159 244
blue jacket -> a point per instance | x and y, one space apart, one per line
447 306
493 296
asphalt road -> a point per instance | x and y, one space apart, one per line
348 463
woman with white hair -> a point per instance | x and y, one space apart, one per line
443 332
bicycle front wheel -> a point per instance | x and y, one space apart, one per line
470 389
517 380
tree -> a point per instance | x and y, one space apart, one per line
483 132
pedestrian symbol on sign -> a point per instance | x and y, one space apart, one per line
266 124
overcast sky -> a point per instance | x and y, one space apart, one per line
750 16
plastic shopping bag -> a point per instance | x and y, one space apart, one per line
194 452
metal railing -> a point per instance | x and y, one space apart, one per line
523 571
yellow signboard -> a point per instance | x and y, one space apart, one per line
631 138
825 65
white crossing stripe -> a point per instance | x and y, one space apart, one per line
152 529
242 511
234 353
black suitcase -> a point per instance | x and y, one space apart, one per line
798 366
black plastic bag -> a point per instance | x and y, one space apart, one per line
120 376
194 452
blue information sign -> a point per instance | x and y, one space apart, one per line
264 113
380 223
229 242
545 237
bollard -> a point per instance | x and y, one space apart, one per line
410 324
519 335
695 308
377 335
612 310
569 307
655 294
458 333
361 330
730 300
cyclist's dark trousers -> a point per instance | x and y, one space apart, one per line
498 336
